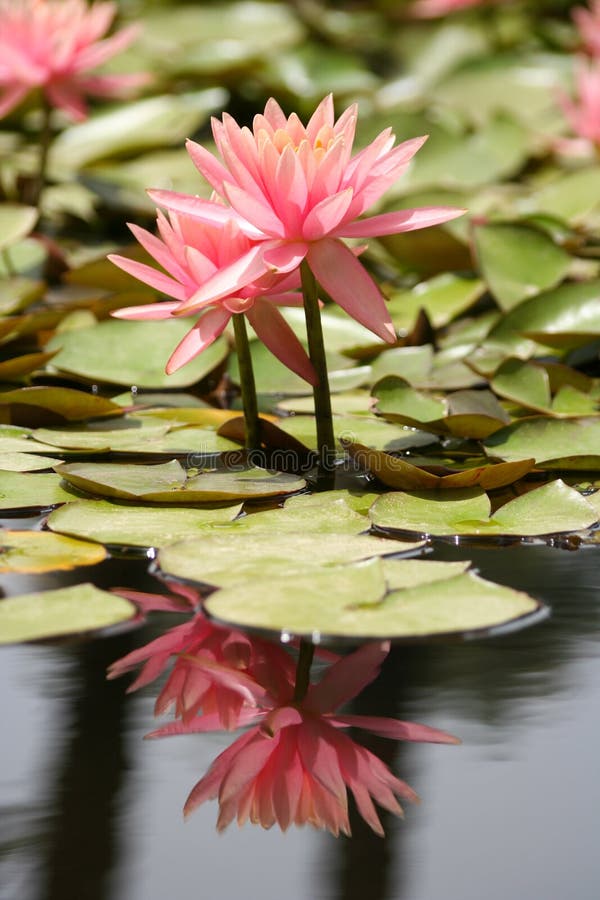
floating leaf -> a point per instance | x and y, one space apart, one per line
402 475
529 385
367 429
442 298
66 403
360 606
132 353
66 611
19 366
18 293
127 433
42 551
168 482
550 509
571 196
16 222
14 461
259 558
555 444
519 261
20 490
124 525
473 414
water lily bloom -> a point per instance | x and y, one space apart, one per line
195 647
192 253
588 25
297 764
582 111
433 9
52 46
297 192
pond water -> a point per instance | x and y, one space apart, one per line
90 811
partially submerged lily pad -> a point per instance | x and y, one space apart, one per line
423 604
67 611
565 444
169 482
42 551
398 473
66 403
551 509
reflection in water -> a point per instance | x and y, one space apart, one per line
296 764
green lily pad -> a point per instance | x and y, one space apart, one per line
443 298
20 490
565 317
550 509
361 606
257 558
132 352
18 293
14 461
16 222
367 429
42 551
169 482
424 368
325 513
14 439
571 196
555 444
66 403
124 525
402 475
67 611
472 414
519 261
529 385
16 368
126 433
131 127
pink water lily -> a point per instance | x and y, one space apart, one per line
52 46
297 192
588 25
296 765
582 111
191 254
433 9
194 648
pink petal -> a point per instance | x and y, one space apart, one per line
396 222
208 165
159 251
396 729
228 281
326 215
323 115
114 85
255 211
68 97
347 677
278 337
11 98
339 272
204 210
97 53
163 310
206 330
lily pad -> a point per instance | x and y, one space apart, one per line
257 558
519 261
325 513
66 403
555 444
42 551
68 611
169 482
529 385
124 525
472 414
402 475
551 509
126 433
442 298
132 353
16 222
361 607
20 490
14 461
368 429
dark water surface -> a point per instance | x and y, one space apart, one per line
90 811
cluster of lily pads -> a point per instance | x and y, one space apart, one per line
481 422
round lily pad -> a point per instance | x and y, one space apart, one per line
123 525
547 510
42 551
23 490
48 614
360 606
555 444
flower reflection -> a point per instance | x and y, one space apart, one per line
295 765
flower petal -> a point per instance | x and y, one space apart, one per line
278 337
396 222
206 330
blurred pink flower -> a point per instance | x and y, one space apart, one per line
52 45
582 110
297 192
297 764
588 25
432 9
196 646
192 253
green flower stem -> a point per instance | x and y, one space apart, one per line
316 351
305 658
45 140
247 382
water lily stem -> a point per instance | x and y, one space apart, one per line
247 383
316 351
45 139
305 658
